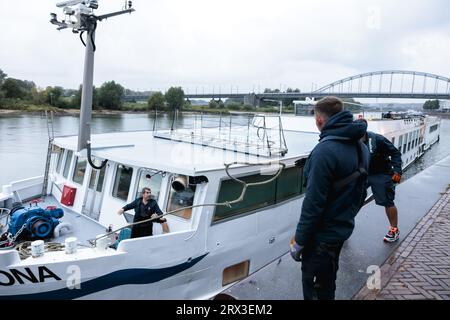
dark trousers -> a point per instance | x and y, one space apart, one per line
320 263
142 230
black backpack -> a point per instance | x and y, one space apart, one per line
361 172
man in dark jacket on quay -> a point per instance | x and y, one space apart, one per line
336 178
384 172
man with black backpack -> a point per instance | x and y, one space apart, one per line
336 177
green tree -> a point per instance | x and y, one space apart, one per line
175 98
187 104
2 77
213 104
12 89
432 105
156 101
111 95
53 95
38 96
234 101
76 98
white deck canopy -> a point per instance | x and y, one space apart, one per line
142 149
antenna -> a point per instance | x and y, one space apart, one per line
79 16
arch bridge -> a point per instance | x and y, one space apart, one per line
395 84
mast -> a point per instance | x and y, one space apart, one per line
79 16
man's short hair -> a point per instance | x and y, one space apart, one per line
146 189
329 106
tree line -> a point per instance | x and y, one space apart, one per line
172 100
108 96
432 105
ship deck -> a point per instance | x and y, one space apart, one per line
83 228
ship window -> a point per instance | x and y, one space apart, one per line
410 138
67 163
60 154
149 179
417 137
405 142
400 142
181 196
256 197
80 170
288 185
101 177
393 141
434 128
122 182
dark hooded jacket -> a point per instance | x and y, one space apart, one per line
385 158
328 212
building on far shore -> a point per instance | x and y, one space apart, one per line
304 107
445 105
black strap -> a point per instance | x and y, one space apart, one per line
361 171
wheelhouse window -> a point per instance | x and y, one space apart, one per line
400 144
409 140
181 195
417 138
405 142
434 128
288 185
60 154
122 182
150 179
67 163
101 177
80 170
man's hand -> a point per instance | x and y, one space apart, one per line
155 216
120 212
397 177
296 250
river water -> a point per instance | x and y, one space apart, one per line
24 139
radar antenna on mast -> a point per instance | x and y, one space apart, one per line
79 16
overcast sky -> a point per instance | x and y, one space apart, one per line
232 44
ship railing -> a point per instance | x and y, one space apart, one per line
260 135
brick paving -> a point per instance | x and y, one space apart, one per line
419 269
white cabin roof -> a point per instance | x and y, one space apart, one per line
141 149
